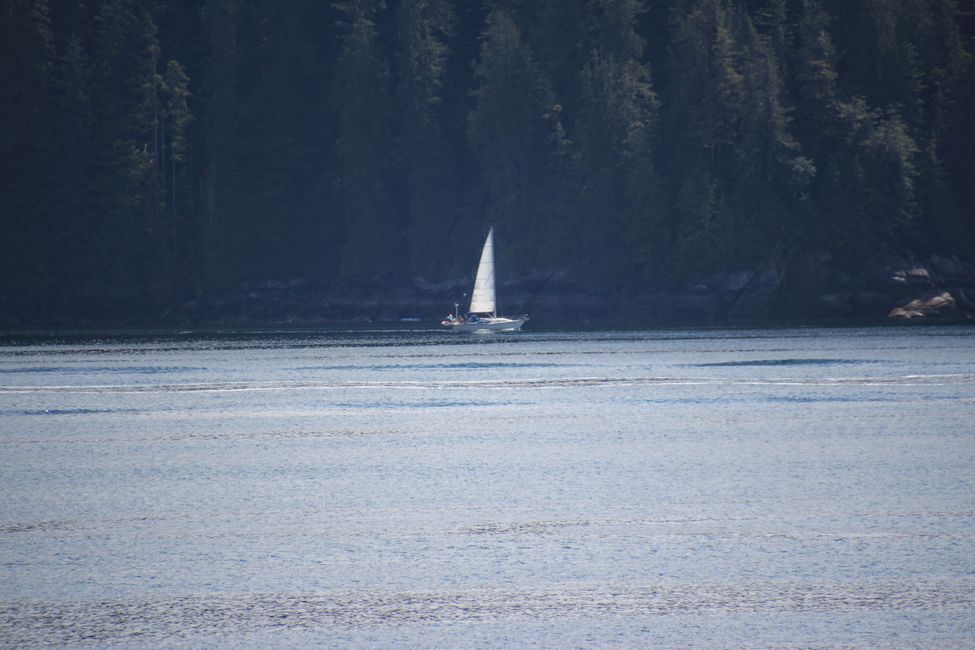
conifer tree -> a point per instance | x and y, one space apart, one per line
945 181
175 122
618 220
744 169
517 136
73 210
288 153
425 160
125 95
704 114
363 104
561 39
26 149
224 181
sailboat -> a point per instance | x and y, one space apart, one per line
482 315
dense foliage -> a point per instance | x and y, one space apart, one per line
154 149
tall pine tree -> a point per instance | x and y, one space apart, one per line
363 103
517 135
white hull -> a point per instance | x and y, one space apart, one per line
487 325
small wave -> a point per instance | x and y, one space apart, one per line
89 370
709 528
498 384
203 434
825 399
472 365
522 527
771 363
69 411
28 622
35 526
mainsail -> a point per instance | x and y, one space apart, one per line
482 298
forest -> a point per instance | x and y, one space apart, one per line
155 151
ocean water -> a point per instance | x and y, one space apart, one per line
740 488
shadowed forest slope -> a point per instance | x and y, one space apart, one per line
158 151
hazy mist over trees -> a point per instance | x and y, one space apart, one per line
155 149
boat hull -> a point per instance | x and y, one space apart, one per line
487 325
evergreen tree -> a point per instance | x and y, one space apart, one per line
947 180
742 167
74 207
423 29
616 23
362 101
26 150
517 136
26 59
704 115
176 118
269 134
866 190
224 182
127 182
288 153
124 183
618 227
561 39
772 21
771 172
880 39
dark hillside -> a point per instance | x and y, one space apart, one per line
656 161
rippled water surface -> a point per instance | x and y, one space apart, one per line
793 488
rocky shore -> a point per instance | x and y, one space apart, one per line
806 287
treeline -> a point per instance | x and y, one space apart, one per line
154 149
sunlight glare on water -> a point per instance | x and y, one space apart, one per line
806 488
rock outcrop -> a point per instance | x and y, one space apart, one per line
932 304
936 289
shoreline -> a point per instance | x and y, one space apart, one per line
291 328
944 290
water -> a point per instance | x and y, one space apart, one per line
794 488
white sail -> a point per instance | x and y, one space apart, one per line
482 298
